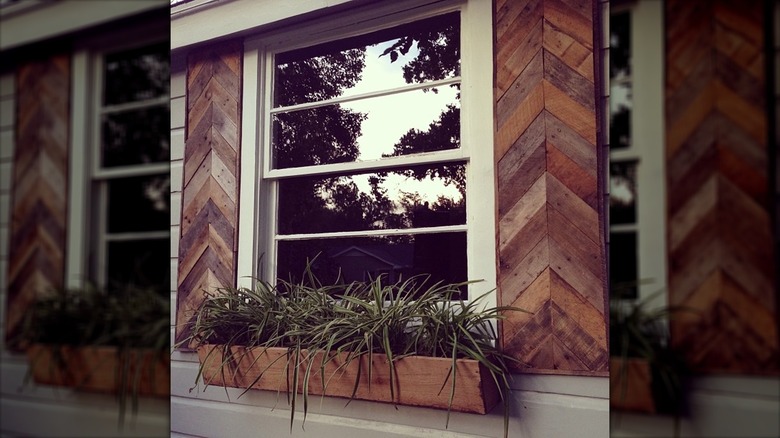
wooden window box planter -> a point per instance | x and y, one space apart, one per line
419 380
99 369
631 385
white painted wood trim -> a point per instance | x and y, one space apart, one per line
447 156
477 139
248 204
648 140
131 170
368 95
52 19
369 233
219 19
78 172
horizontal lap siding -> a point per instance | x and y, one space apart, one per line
721 259
39 185
551 244
209 212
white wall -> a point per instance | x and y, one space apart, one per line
541 406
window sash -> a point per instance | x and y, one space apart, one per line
271 176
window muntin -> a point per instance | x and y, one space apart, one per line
311 175
130 175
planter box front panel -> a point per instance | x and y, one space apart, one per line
631 385
418 381
98 369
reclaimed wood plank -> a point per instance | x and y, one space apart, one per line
39 186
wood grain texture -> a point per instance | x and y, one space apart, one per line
719 224
417 380
39 185
209 218
551 245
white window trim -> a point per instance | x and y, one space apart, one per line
476 133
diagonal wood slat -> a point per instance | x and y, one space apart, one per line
39 186
551 245
719 224
208 243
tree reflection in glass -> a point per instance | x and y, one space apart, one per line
358 106
357 202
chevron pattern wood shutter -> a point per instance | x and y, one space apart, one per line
551 243
208 245
39 185
719 226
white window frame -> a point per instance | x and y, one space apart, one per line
256 200
88 188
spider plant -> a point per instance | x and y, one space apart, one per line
317 323
639 332
127 318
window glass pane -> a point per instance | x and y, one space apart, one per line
139 204
620 101
440 255
137 74
620 105
623 264
143 263
620 45
622 192
136 137
422 196
367 129
413 53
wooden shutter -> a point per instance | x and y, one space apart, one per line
721 258
39 185
551 244
209 219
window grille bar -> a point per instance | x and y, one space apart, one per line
373 233
361 96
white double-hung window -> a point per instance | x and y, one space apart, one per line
120 204
372 155
131 174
